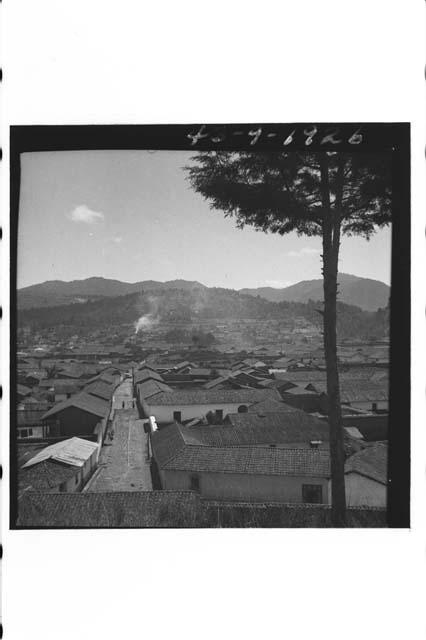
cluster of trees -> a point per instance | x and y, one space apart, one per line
196 336
351 321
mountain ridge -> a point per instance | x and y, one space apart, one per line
366 293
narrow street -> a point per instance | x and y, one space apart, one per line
123 396
123 464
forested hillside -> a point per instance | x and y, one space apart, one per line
186 306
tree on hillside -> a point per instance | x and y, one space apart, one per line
323 194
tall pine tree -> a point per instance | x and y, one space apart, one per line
325 194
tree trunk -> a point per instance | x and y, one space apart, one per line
337 452
331 243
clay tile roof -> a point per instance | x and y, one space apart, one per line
291 426
270 405
45 476
167 442
299 391
253 460
272 429
359 390
217 396
182 449
83 401
151 388
370 462
147 374
100 389
211 384
110 509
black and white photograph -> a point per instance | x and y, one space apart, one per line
212 320
203 333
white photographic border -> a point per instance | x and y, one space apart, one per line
151 63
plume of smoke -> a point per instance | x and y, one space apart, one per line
200 300
147 320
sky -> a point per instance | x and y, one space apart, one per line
132 215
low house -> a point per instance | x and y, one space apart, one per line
186 405
33 378
186 460
200 373
270 405
60 389
177 367
301 398
291 429
224 382
29 424
220 382
234 380
142 375
366 477
145 390
184 366
100 389
63 466
76 373
183 380
109 378
79 415
246 378
281 363
367 395
373 426
300 378
116 372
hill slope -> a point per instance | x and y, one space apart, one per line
58 292
189 306
365 293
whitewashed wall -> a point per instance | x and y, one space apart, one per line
245 487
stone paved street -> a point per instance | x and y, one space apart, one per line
123 464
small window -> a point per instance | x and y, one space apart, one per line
177 415
30 432
23 433
374 406
219 414
195 483
242 409
312 493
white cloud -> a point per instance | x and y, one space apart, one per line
83 213
306 251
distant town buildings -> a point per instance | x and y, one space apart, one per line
218 435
